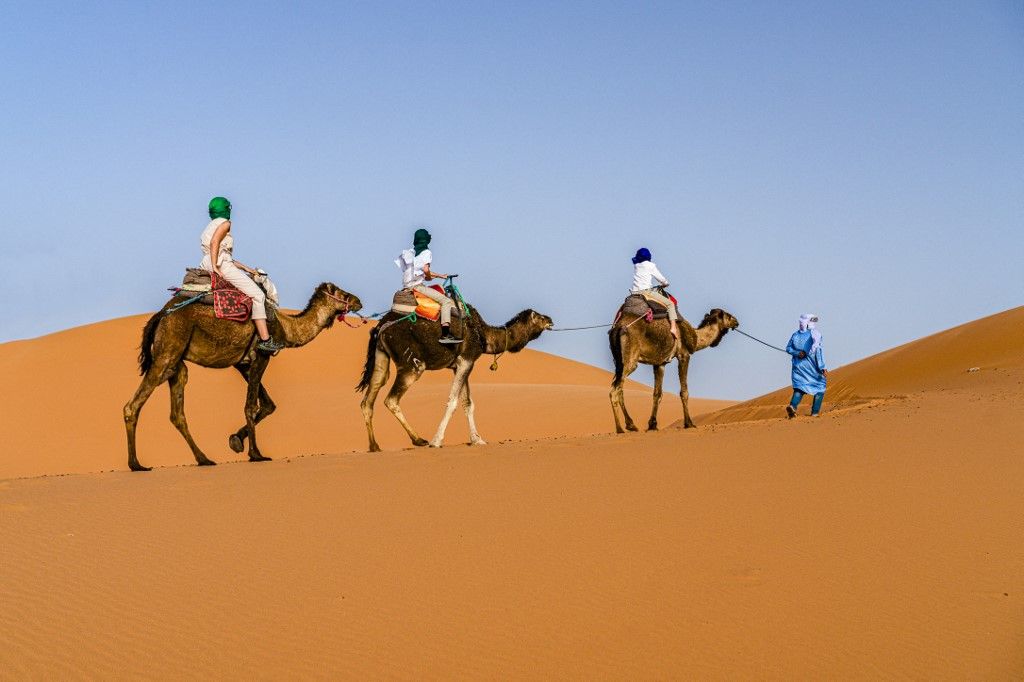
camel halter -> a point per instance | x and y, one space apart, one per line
341 315
494 365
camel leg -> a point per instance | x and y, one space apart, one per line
157 374
252 406
659 375
177 385
405 377
467 405
381 370
236 441
618 402
684 391
462 369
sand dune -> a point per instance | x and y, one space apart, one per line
993 345
879 541
62 398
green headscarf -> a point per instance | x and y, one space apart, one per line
420 240
220 208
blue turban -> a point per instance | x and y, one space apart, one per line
642 255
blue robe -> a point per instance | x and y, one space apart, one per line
807 376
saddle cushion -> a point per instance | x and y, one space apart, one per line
228 302
408 301
635 304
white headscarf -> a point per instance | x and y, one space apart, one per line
808 322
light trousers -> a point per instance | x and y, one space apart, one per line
656 295
241 281
446 303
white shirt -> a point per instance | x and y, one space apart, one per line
412 267
647 276
227 244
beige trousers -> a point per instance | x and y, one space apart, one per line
244 283
446 303
655 295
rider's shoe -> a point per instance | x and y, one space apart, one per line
448 338
269 346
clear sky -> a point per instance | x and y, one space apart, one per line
863 161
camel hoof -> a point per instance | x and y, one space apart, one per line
139 467
206 463
436 444
478 441
631 427
652 427
236 443
421 442
260 458
689 425
374 448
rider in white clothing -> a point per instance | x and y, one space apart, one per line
217 239
646 280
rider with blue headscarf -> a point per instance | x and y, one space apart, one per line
648 282
809 372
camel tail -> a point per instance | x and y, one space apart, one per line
371 353
615 342
146 349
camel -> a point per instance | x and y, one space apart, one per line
192 333
634 341
414 348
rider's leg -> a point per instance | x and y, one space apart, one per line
244 283
673 316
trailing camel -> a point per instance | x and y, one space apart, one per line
414 349
634 341
192 333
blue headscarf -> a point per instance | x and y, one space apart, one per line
642 256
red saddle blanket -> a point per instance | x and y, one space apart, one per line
228 302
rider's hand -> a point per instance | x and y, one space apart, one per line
801 355
824 372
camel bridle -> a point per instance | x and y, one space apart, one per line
345 310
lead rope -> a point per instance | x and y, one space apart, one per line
781 350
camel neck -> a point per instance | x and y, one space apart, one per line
510 338
708 335
300 329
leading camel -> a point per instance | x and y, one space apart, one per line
414 348
634 341
194 334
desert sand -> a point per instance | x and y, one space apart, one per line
880 540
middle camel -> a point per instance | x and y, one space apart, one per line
414 349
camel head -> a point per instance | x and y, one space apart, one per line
343 301
532 323
723 320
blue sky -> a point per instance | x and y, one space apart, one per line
864 161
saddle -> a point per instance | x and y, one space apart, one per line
639 305
228 302
407 301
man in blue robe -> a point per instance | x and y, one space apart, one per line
809 372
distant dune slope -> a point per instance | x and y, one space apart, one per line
939 361
62 396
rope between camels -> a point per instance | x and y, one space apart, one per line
593 326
